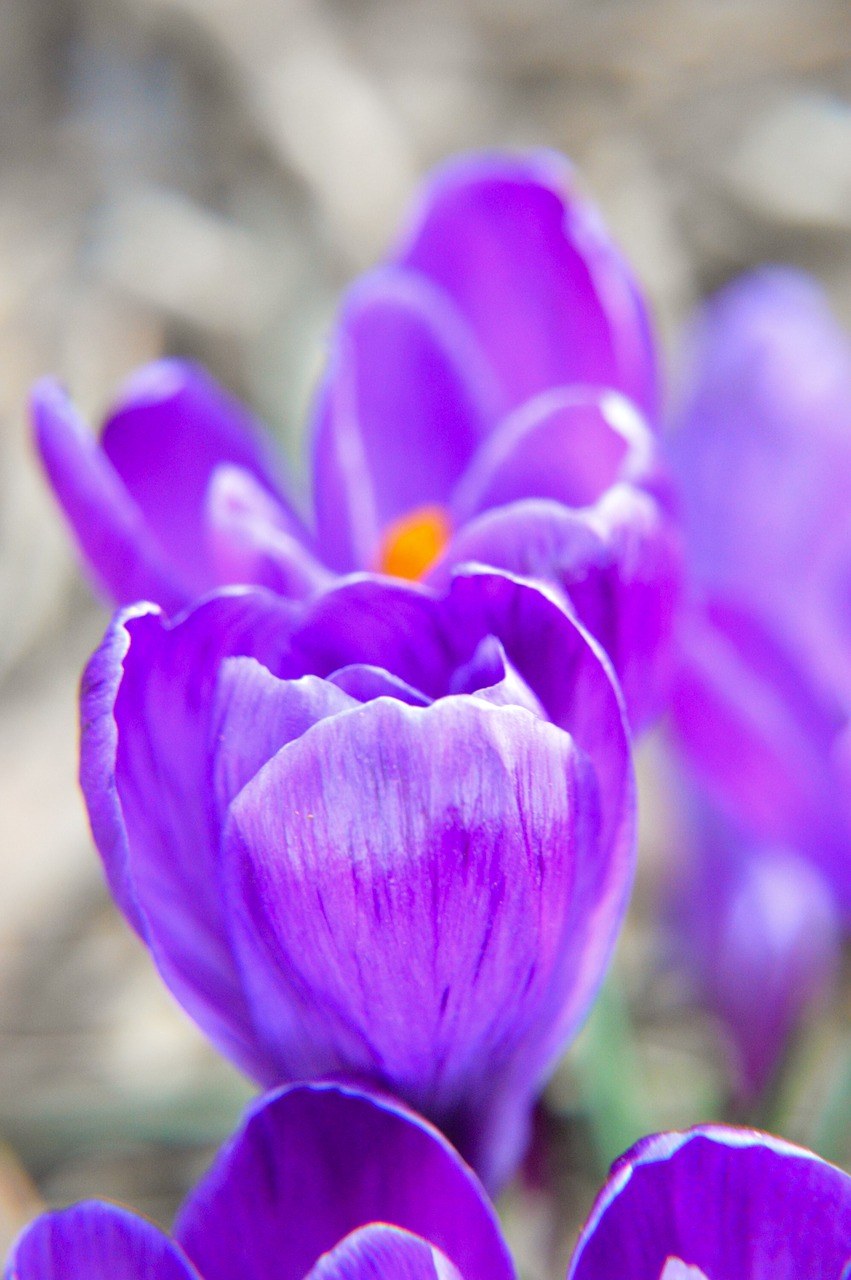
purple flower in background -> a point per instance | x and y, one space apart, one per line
763 739
762 457
486 398
757 930
718 1204
322 1182
389 832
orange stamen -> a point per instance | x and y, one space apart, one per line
412 543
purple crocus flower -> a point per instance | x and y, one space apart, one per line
757 929
762 458
322 1182
718 1204
389 832
326 1182
486 398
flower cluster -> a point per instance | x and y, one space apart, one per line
361 778
328 1182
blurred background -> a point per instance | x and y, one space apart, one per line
201 177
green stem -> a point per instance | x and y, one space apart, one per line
831 1133
609 1076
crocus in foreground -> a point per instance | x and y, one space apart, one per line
322 1181
390 832
717 1203
486 398
327 1182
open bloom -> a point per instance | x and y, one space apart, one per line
327 1182
762 456
390 832
486 397
322 1181
718 1204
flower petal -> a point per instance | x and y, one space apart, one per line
762 451
146 709
569 444
619 564
372 860
731 1202
121 551
250 540
758 931
254 714
760 734
530 267
170 428
490 676
365 682
398 415
315 1162
95 1241
373 1253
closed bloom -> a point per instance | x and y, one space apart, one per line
762 457
390 832
486 398
757 929
321 1181
718 1204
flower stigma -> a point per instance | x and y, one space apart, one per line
412 543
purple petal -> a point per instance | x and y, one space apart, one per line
314 1163
121 551
380 886
146 710
530 267
619 563
490 676
763 455
373 1253
365 682
569 444
730 1202
255 714
249 538
171 427
760 735
423 638
95 1241
398 415
758 930
762 452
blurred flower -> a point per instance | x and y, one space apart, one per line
757 929
763 739
322 1181
762 458
717 1204
482 401
389 832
